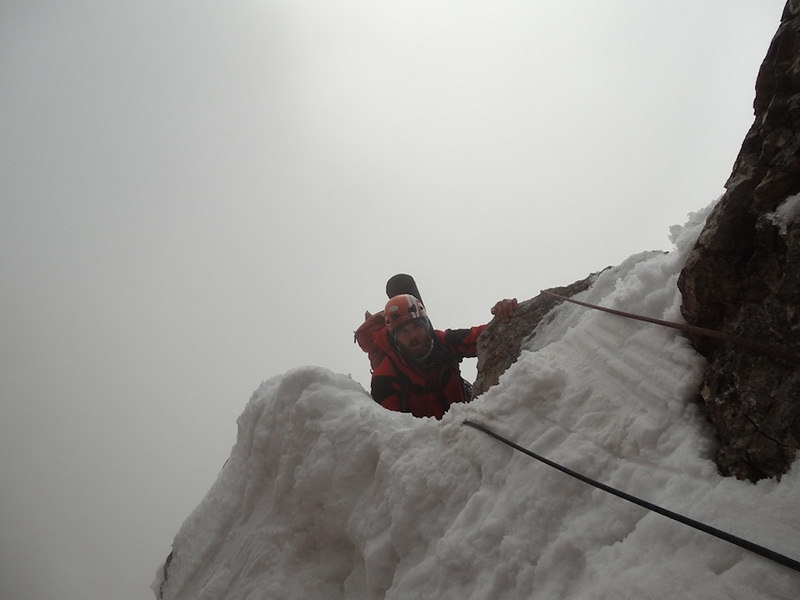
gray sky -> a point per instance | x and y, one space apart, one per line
197 196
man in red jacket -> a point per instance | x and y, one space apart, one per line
415 367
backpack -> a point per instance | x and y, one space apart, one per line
364 336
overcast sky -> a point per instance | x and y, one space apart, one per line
197 196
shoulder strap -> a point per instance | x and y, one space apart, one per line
406 385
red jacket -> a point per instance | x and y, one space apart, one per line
423 390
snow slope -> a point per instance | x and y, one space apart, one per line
327 495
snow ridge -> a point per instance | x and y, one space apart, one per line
328 495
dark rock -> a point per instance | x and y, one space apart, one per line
501 343
743 277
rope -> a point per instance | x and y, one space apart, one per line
693 329
723 535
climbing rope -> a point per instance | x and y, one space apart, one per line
723 535
693 329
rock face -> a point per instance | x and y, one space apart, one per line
500 343
743 277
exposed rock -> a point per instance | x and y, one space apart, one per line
501 343
743 277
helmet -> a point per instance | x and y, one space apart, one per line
402 309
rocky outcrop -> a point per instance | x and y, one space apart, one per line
743 277
500 343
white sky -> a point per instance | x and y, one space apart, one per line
196 196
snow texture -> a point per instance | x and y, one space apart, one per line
327 495
785 214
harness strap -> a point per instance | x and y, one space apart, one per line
437 386
406 385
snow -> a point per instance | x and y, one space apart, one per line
328 495
785 214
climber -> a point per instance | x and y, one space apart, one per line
415 367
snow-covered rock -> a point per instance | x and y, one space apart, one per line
743 278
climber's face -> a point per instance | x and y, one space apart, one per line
413 339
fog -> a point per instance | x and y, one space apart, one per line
198 196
